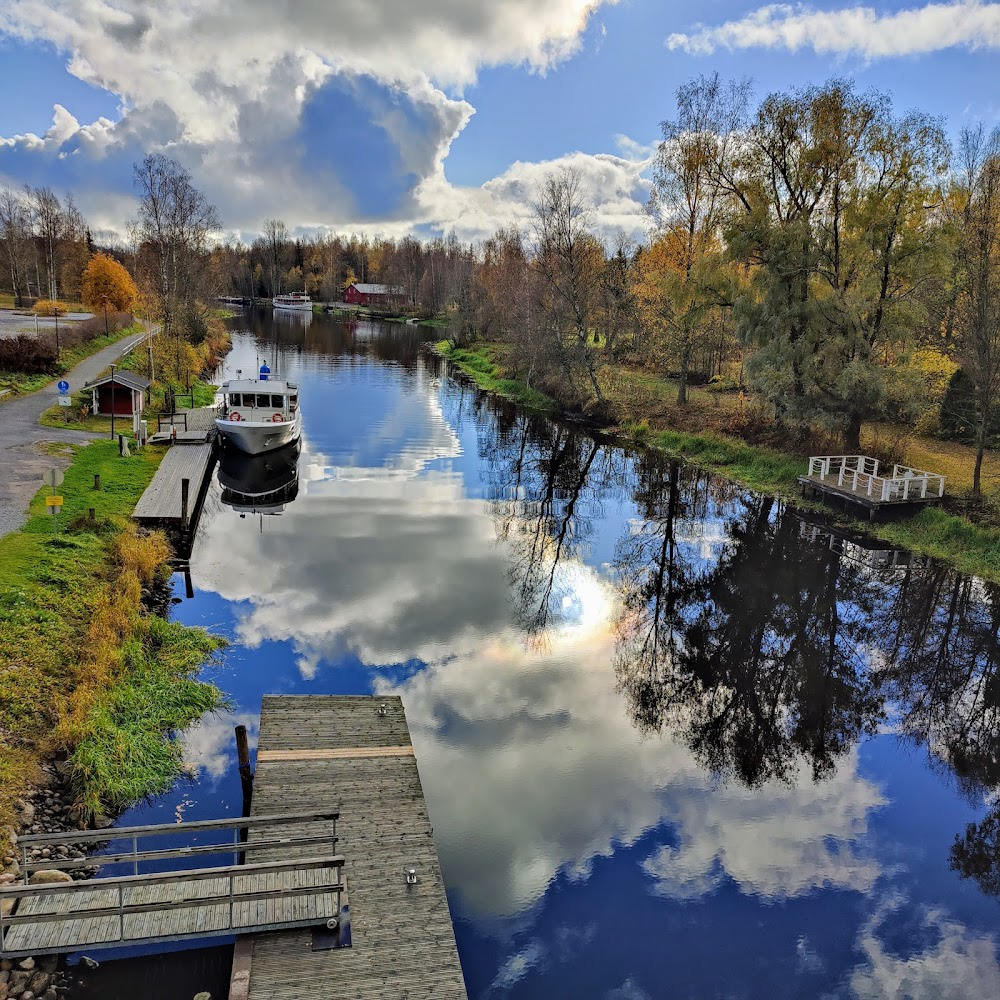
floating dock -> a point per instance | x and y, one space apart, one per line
354 755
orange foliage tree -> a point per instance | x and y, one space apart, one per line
106 284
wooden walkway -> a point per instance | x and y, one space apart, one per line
159 906
161 503
342 753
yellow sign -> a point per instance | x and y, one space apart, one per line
54 501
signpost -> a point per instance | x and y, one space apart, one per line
63 386
50 481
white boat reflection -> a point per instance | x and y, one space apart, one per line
260 484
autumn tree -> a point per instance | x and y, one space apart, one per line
106 284
568 262
15 237
173 228
683 281
979 263
830 206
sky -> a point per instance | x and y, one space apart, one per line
430 116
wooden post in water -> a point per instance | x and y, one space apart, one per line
246 775
185 490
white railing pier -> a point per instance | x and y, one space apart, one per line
859 474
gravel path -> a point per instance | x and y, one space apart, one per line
22 460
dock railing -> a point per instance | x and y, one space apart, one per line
237 846
179 885
859 474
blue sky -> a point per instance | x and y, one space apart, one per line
400 118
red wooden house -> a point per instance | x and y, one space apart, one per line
364 294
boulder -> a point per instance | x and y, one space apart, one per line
49 876
39 982
26 964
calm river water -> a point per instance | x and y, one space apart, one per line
677 741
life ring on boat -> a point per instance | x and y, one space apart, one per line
235 416
277 419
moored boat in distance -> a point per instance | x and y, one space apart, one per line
260 414
293 300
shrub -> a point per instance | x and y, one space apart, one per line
47 307
28 355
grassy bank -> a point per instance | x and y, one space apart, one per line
646 401
84 669
480 364
20 384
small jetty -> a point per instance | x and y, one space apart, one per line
173 500
354 755
855 480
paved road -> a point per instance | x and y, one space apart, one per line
22 461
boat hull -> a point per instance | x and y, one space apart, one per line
294 307
257 437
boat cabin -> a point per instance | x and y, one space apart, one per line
272 401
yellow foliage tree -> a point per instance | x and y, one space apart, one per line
106 284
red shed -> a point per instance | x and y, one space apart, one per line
126 389
364 294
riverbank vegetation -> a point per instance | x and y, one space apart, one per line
29 362
86 670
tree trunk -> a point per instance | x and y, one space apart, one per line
852 435
983 413
682 385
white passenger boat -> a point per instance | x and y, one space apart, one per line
293 300
260 414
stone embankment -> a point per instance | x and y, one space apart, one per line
48 808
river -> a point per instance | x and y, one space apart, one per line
677 740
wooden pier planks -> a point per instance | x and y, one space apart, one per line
161 502
403 943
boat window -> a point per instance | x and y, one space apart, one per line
293 401
235 399
263 400
278 402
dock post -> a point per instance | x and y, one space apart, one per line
246 775
185 490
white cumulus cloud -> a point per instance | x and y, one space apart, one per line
860 31
226 87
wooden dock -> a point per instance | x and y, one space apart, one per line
186 426
161 505
348 754
854 480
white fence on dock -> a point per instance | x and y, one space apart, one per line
860 474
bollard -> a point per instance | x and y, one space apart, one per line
97 480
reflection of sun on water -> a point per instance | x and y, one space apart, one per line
581 602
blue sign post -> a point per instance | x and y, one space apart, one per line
63 386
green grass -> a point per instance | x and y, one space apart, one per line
82 668
478 364
124 756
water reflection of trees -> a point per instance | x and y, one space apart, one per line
757 667
774 653
764 651
546 484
